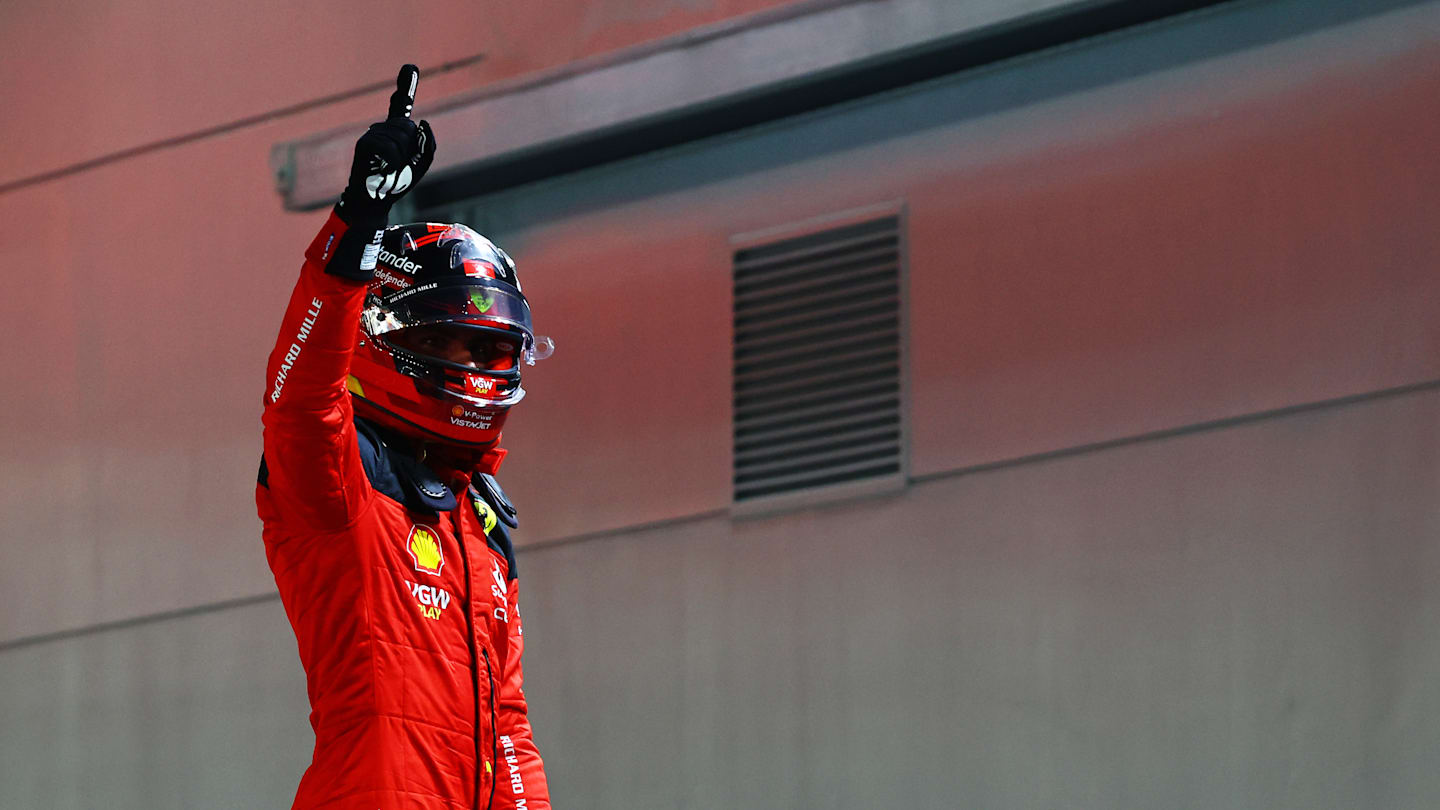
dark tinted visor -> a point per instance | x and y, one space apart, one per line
461 345
474 301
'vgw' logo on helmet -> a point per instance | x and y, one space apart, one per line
399 263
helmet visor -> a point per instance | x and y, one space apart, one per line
475 301
461 345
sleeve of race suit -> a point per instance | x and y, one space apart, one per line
520 766
310 449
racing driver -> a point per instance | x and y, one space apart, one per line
398 358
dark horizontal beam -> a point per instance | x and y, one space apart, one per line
856 81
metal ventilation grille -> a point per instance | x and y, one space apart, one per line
817 360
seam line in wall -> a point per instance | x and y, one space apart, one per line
560 542
135 621
221 129
1197 427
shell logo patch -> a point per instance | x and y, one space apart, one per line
484 512
424 547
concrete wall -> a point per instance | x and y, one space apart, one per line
1109 585
1216 218
1108 588
1231 618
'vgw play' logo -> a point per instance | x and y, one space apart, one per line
431 599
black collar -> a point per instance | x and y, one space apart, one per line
395 473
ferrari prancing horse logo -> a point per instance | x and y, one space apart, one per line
424 547
485 513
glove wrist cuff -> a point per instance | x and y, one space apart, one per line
358 248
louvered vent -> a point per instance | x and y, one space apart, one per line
817 360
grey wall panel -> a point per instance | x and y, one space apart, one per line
1203 245
205 711
1210 218
132 429
1233 618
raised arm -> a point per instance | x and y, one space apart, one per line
310 449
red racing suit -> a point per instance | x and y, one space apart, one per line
406 617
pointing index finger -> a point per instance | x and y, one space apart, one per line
402 101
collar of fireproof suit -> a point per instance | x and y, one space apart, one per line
394 471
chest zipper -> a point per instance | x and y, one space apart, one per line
494 731
475 667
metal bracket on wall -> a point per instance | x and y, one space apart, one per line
708 81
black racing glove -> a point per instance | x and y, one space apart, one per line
390 159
